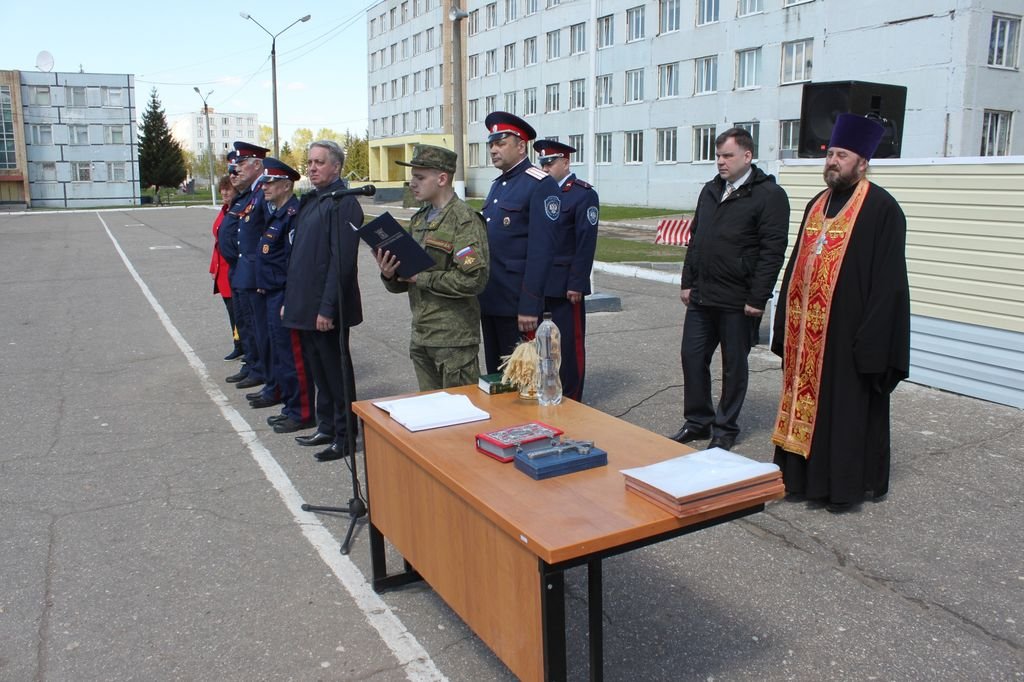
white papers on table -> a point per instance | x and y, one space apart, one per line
432 411
700 472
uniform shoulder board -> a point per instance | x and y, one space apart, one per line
292 210
536 173
584 184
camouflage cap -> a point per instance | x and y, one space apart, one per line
429 156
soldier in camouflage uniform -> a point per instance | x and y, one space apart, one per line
445 312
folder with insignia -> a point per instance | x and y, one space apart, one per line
386 234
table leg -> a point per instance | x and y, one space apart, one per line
379 566
552 604
595 608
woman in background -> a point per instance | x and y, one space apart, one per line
219 266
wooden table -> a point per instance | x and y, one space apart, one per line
495 543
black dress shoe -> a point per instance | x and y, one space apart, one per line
260 403
237 376
289 425
254 395
315 438
840 507
687 434
233 355
249 382
724 441
330 454
274 418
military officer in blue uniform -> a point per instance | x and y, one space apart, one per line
247 220
568 280
521 210
289 377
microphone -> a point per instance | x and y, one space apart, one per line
365 190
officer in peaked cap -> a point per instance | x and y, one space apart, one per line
568 280
245 221
521 212
445 342
287 383
232 157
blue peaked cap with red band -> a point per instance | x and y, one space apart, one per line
276 169
501 123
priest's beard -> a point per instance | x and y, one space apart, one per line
838 180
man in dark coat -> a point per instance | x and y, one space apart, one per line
737 247
323 263
843 330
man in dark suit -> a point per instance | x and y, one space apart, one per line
322 298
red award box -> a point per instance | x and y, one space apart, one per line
503 444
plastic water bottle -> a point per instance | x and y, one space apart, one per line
549 360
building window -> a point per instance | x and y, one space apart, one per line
634 146
42 172
428 78
754 128
531 7
81 171
604 90
554 42
491 15
789 138
704 143
796 61
429 33
474 155
373 27
668 16
995 133
707 12
577 94
1004 46
668 80
474 110
473 66
405 48
405 11
529 101
634 86
634 24
510 102
790 3
706 75
551 97
510 56
750 7
115 171
417 122
417 81
394 51
8 153
511 10
417 44
430 117
529 51
605 31
394 17
405 121
490 62
748 68
79 134
603 148
113 134
112 97
491 103
576 142
39 133
77 97
39 95
473 22
405 85
667 145
577 38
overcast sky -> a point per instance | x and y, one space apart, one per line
175 46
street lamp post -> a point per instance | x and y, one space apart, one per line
273 66
209 145
457 14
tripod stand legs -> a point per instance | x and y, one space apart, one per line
356 509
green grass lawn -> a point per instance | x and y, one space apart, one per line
611 212
612 250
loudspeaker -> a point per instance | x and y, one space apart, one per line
823 102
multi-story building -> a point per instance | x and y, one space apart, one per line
80 139
14 188
642 87
190 131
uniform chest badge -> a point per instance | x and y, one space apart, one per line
552 207
246 218
506 221
592 215
266 248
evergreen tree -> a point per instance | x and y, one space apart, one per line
357 156
161 159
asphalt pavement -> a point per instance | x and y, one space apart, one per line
150 526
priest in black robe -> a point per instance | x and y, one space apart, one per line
842 328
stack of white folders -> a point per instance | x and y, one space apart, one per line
705 480
432 411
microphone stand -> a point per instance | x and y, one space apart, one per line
357 506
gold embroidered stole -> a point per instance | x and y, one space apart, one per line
808 305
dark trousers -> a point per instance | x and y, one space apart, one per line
501 335
322 352
231 320
289 377
244 323
571 321
261 336
704 329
